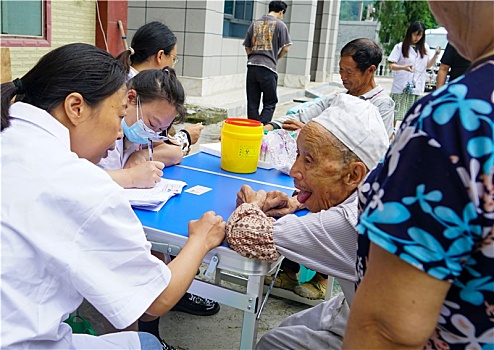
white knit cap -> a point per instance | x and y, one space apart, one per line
358 124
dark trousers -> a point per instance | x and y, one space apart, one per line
261 80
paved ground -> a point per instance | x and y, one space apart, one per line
222 331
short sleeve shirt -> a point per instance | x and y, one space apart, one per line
431 203
458 65
419 74
266 37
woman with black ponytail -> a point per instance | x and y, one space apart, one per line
68 231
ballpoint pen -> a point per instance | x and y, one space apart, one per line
150 149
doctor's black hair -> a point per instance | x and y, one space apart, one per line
148 41
363 51
82 68
155 84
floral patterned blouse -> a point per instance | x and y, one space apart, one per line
431 203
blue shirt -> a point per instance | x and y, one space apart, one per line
431 203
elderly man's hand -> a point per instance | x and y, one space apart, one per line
248 195
275 200
292 125
286 206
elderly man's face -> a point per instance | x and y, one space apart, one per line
318 171
356 82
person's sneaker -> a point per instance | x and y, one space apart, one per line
283 280
165 345
311 290
195 305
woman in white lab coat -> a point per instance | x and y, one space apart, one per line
68 232
155 99
154 46
409 60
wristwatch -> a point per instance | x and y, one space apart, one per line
183 138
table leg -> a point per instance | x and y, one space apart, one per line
250 324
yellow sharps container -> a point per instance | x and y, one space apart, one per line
240 145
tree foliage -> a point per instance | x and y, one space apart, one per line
349 10
396 16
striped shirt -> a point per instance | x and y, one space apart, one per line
376 96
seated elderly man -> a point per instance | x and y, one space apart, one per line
358 63
335 152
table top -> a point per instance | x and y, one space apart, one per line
208 162
182 208
170 224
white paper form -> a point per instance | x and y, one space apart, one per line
154 198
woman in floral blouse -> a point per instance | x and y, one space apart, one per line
426 243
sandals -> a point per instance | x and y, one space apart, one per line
282 281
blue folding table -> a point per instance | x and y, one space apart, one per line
167 230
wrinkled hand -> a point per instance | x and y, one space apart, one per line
147 174
408 68
275 201
292 125
209 230
248 195
194 131
289 206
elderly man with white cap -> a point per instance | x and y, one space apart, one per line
335 152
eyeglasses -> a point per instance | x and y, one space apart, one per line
175 58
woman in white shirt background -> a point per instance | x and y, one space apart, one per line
68 232
154 46
410 60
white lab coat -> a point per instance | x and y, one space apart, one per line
67 233
419 75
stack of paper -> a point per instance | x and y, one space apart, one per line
154 198
211 148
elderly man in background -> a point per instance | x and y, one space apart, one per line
335 152
358 63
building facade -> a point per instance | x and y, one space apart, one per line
210 35
62 22
213 60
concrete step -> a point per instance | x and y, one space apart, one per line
233 104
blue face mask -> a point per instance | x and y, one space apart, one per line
139 132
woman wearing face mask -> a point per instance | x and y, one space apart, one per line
154 99
68 232
410 59
154 46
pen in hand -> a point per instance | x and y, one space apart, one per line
150 149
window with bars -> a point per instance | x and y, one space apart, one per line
238 17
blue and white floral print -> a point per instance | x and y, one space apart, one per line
432 204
